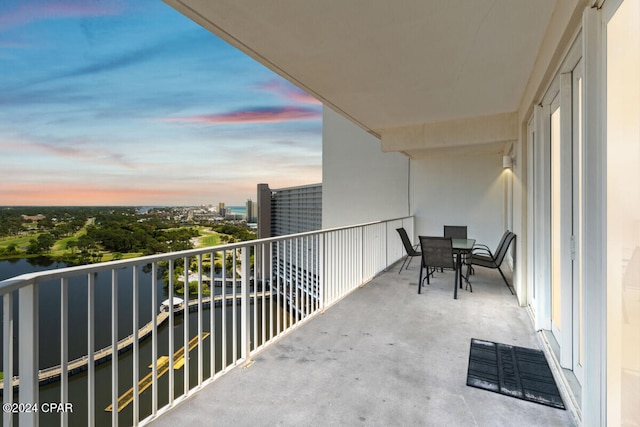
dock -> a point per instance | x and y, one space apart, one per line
52 374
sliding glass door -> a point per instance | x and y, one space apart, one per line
622 104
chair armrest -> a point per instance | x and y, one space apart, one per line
481 250
479 245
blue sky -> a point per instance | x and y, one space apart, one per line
131 103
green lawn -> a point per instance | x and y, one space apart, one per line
212 240
60 247
21 241
208 237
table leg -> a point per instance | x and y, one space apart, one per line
455 283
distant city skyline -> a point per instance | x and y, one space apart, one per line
131 103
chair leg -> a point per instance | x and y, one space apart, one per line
420 278
403 262
505 281
410 259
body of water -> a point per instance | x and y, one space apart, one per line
237 210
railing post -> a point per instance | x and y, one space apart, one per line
245 306
28 351
136 347
64 347
362 257
154 338
386 246
321 272
91 378
185 323
7 357
114 347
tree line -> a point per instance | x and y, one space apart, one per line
83 235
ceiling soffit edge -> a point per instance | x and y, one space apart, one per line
483 130
497 148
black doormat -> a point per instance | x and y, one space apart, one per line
513 371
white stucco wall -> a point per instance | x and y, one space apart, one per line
460 190
360 183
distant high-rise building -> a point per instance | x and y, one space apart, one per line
251 211
289 210
221 209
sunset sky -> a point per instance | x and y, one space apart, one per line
130 103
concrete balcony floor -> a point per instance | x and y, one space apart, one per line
383 356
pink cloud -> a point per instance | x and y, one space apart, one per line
288 91
29 12
255 115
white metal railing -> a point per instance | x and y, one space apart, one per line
267 288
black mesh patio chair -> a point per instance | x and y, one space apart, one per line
409 249
482 256
486 248
456 232
437 252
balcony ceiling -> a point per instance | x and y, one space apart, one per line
390 64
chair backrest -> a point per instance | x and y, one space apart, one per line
502 241
406 242
455 231
437 251
502 249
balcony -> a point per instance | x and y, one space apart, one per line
318 329
384 355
